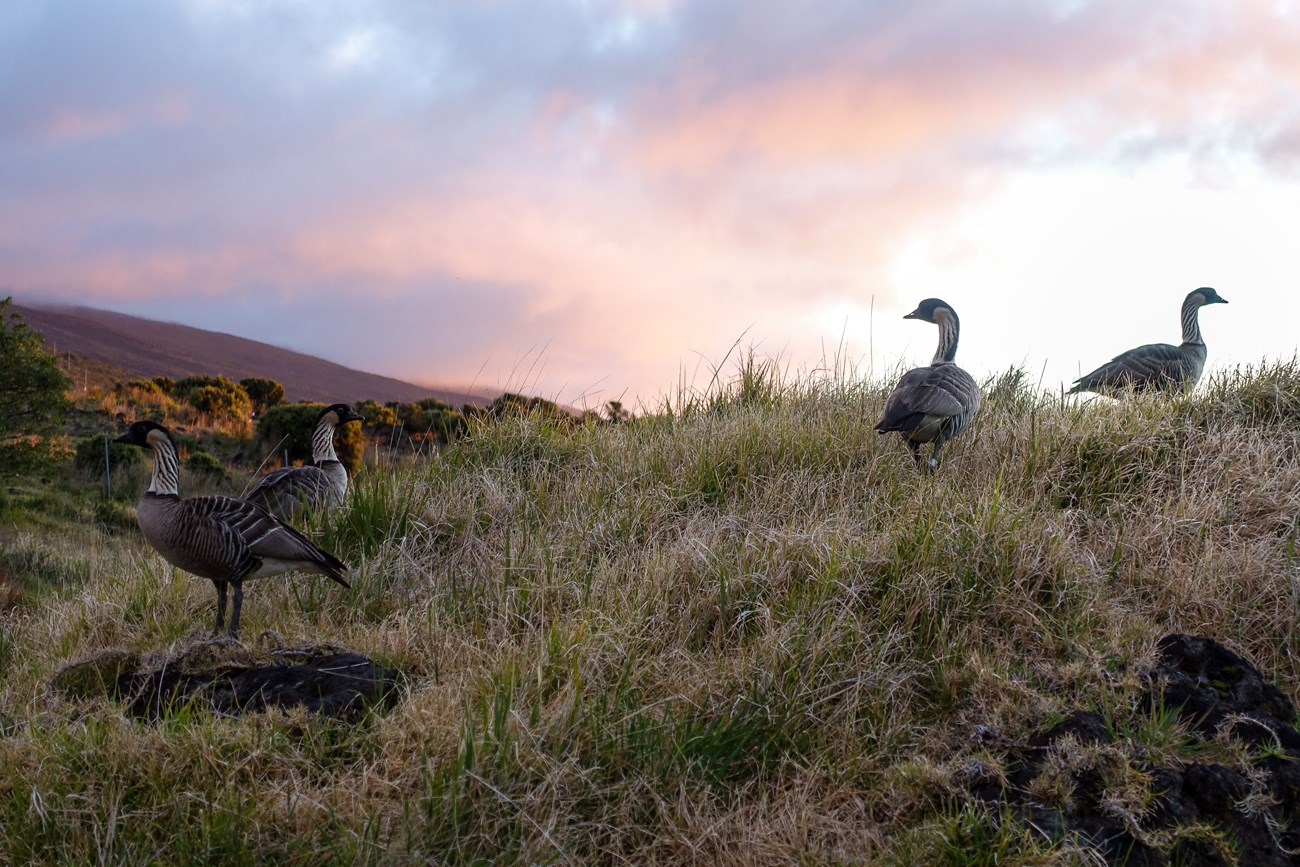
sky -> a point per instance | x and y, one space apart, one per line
608 199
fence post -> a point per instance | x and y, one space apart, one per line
108 472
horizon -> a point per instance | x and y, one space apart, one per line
598 201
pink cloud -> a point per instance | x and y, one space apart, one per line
736 164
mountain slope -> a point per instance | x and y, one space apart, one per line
146 348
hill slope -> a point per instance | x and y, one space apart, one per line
146 348
746 631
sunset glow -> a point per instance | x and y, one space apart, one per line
586 200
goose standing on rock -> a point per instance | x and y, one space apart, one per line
225 540
322 485
931 404
1157 366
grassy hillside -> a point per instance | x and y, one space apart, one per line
745 630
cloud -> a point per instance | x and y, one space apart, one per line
624 183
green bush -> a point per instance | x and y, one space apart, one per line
289 426
205 464
89 454
264 393
145 386
377 414
32 396
215 396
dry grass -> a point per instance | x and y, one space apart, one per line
742 631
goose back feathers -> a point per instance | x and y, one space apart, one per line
932 404
1157 367
320 486
226 540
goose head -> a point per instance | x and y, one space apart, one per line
1207 296
932 310
342 414
146 434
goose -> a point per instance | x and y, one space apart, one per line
322 485
932 404
1157 366
226 540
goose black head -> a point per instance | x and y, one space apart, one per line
342 412
929 310
1208 296
144 434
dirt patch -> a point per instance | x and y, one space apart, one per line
229 678
1248 814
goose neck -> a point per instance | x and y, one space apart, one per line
949 332
166 468
1191 322
322 443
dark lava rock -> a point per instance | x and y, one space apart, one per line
1173 805
1024 762
1214 788
1087 728
1213 691
1209 683
323 680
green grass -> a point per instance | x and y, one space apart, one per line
743 629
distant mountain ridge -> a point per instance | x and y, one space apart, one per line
147 348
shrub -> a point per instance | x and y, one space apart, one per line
89 454
145 386
205 464
377 414
32 396
215 396
262 392
289 427
511 404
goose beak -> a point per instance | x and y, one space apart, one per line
912 315
124 438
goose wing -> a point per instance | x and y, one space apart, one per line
281 491
1154 365
939 391
253 535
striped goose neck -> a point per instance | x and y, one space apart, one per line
949 331
166 468
322 442
1191 321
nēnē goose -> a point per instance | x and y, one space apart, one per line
322 485
225 540
931 404
1157 366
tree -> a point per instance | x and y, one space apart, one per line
264 393
32 396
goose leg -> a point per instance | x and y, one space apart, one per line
221 606
933 463
916 451
239 603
